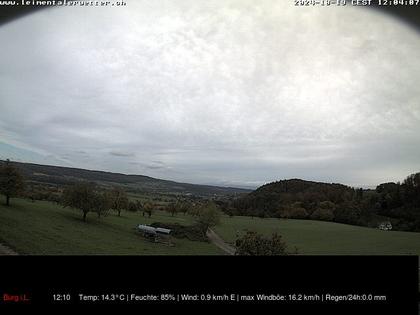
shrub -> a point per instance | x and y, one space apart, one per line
192 232
254 244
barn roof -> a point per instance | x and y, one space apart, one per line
146 228
152 230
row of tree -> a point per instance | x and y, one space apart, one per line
89 197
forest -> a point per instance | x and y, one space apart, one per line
398 203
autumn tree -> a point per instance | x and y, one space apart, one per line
412 188
171 208
185 206
119 200
81 196
208 216
11 181
324 212
132 206
177 207
193 209
148 209
102 203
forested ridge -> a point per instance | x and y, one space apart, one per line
398 203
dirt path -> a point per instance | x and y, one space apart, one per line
4 250
219 242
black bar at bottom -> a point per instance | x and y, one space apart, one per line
383 284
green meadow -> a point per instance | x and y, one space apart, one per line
45 228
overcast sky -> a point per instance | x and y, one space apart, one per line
232 92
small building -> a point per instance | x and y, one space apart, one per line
385 226
163 231
158 235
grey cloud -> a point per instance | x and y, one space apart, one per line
223 92
155 167
122 154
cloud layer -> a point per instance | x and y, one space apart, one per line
222 92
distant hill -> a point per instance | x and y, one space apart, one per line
295 186
65 175
272 199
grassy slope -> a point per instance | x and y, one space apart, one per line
316 237
45 228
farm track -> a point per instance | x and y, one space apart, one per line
219 242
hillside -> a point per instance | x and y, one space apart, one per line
272 199
45 228
137 183
398 203
284 190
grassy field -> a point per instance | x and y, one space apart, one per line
46 228
322 238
